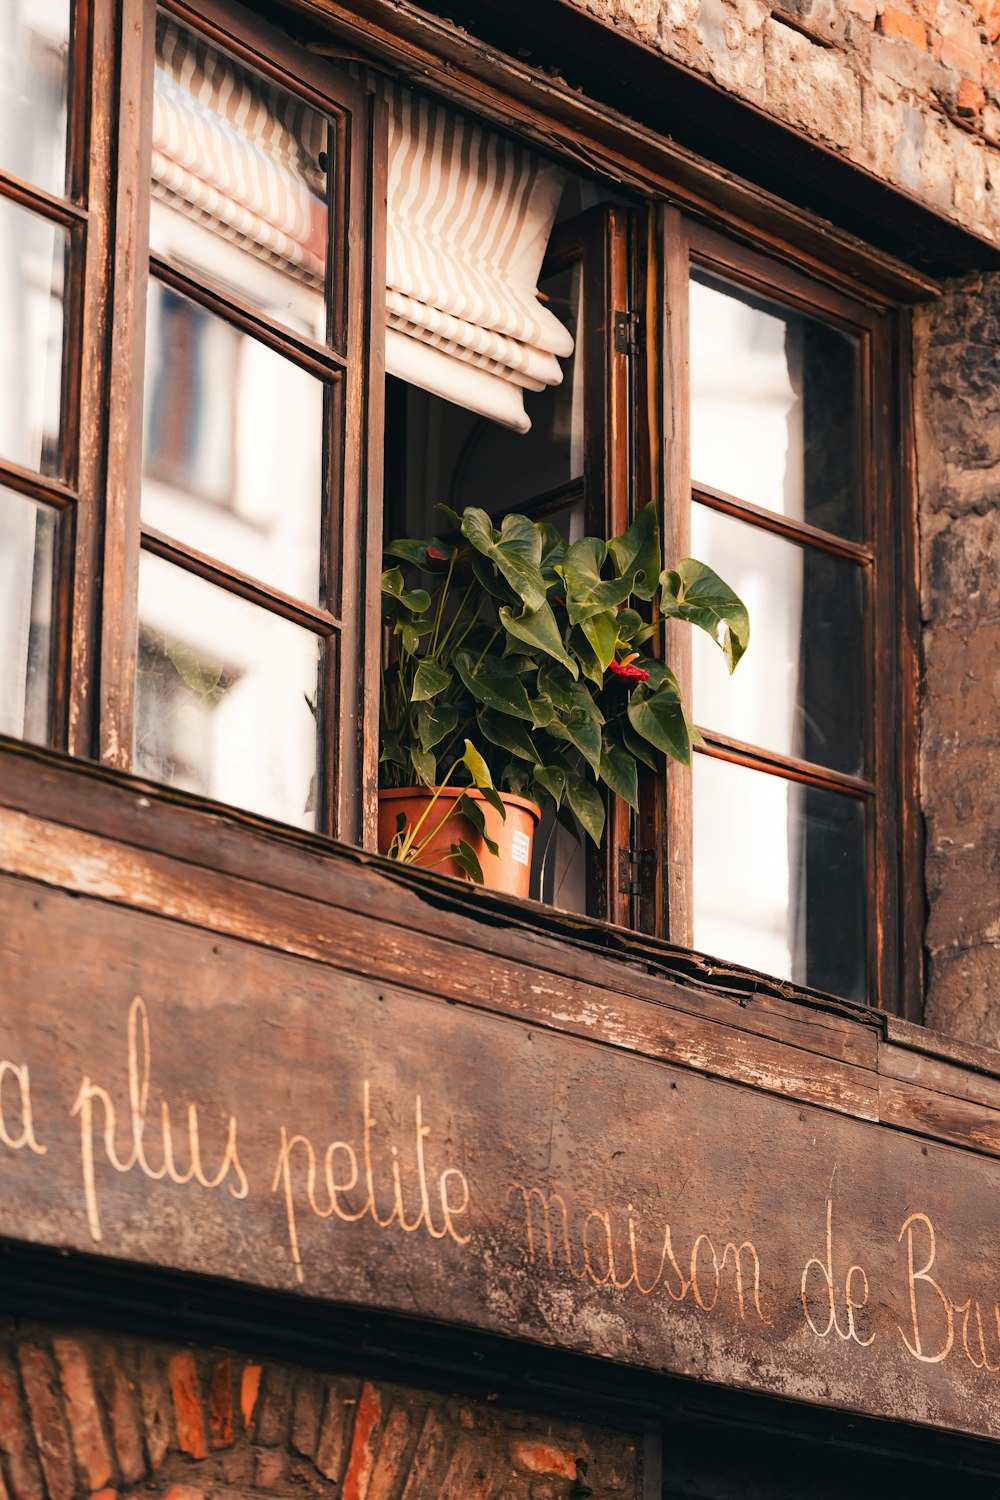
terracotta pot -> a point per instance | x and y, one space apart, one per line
509 872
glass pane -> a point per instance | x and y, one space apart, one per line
34 67
223 695
482 463
775 407
32 261
240 190
233 446
798 690
27 557
779 877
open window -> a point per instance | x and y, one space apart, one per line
233 243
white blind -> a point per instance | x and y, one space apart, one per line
469 219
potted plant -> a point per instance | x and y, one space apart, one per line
522 671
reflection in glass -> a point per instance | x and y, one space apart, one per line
240 190
775 407
779 877
27 555
34 68
223 695
32 263
233 446
798 690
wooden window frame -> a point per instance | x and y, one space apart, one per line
888 683
106 213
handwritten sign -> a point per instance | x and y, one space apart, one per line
179 1098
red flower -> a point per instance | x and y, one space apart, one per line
437 561
628 669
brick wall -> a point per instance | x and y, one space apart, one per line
957 361
909 89
83 1415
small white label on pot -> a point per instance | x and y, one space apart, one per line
520 848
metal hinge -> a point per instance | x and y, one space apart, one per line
628 333
635 872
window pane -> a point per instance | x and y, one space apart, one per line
34 66
798 690
239 179
223 696
27 555
32 260
233 446
779 877
775 407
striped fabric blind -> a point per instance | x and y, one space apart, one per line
237 154
469 218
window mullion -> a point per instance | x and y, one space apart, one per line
128 193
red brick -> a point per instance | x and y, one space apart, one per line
188 1415
184 1492
154 1401
89 1443
430 1446
306 1413
105 1495
23 1473
904 27
388 1462
538 1457
466 1478
274 1413
41 1387
332 1442
249 1391
220 1405
362 1458
115 1391
970 98
269 1466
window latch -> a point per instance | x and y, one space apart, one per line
628 333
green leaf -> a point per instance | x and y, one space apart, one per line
516 550
656 711
602 633
552 780
587 593
638 747
636 553
410 551
578 719
619 773
510 734
630 622
553 551
480 773
495 683
429 679
451 516
693 592
587 805
472 810
435 723
425 765
587 657
467 860
516 777
411 634
539 630
394 587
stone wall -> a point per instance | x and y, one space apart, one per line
957 360
87 1417
909 89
